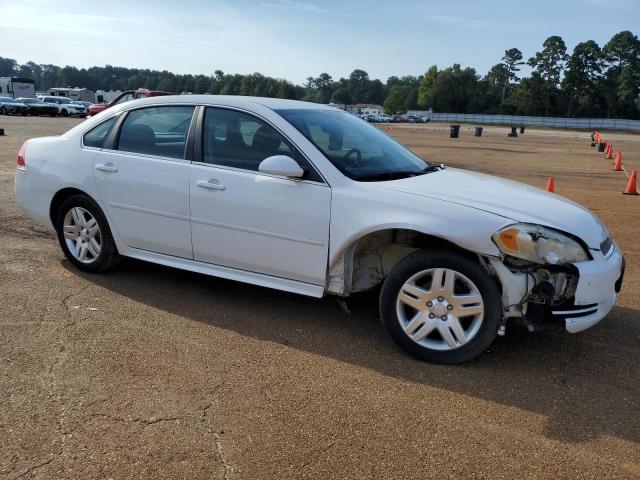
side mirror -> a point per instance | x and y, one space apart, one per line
281 165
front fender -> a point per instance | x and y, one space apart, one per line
359 209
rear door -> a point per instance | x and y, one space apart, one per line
143 179
249 220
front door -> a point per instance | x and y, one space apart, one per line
245 219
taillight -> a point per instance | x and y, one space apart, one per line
21 164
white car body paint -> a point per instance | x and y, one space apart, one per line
289 234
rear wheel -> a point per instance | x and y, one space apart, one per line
84 235
440 306
3 110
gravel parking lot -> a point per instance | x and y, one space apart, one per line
149 372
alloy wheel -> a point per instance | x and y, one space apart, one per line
82 235
440 309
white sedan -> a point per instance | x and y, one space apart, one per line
309 199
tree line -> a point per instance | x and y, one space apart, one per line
590 82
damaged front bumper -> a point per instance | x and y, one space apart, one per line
598 282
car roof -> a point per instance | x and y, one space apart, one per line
233 100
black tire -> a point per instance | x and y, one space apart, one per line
108 257
3 111
65 113
427 259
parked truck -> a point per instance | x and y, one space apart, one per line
125 97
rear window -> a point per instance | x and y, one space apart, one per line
97 135
158 131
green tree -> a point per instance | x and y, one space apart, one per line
622 77
342 93
527 97
319 89
549 63
511 62
427 81
377 92
395 102
201 84
8 67
454 90
581 75
359 86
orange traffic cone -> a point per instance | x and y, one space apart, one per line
632 188
617 166
610 152
551 185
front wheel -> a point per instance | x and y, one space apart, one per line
84 235
440 306
3 110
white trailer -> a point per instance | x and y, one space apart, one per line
106 97
73 93
17 87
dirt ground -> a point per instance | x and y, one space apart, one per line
153 373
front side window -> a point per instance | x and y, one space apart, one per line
359 150
240 140
97 135
158 131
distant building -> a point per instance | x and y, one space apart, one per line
17 87
365 109
74 93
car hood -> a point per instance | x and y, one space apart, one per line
509 199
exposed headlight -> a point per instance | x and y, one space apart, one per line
539 244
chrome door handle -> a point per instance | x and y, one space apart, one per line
210 184
107 167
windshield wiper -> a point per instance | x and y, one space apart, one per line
398 174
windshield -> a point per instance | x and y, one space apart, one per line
63 100
357 149
30 100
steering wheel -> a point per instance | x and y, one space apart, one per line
351 152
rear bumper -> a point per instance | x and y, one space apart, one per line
32 199
599 283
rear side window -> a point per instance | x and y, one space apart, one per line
97 135
158 131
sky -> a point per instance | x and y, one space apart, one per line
294 39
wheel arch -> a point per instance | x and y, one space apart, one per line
367 259
59 198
